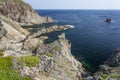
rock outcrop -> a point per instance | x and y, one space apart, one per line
114 60
110 70
22 12
55 59
10 32
56 62
52 29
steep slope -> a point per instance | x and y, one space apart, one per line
56 62
114 60
10 31
30 55
110 70
13 24
22 12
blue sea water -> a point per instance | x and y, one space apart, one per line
93 40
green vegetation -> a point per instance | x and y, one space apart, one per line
30 61
1 53
5 63
49 54
11 74
7 72
56 48
115 76
104 76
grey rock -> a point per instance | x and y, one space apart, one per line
22 12
114 60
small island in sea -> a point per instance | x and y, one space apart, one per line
58 44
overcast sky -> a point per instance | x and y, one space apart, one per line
74 4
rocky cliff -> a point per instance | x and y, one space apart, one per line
29 56
22 12
114 60
110 70
56 62
10 31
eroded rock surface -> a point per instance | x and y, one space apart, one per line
114 60
56 62
22 12
110 70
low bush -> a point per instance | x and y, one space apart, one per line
30 61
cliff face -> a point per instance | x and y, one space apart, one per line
56 62
110 70
114 60
10 31
22 12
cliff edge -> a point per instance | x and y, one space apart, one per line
22 12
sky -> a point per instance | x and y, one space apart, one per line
74 4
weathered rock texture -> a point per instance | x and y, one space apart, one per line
22 12
56 62
114 60
10 32
110 70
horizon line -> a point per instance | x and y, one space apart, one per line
76 9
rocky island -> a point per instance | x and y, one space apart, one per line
25 56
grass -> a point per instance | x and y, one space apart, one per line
11 74
30 61
56 48
104 76
5 63
49 54
1 53
7 72
115 76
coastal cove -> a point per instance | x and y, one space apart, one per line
58 44
93 40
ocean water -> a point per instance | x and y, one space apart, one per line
93 40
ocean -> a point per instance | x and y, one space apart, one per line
93 40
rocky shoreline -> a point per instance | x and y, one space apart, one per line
29 57
53 29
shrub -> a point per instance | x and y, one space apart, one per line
30 61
